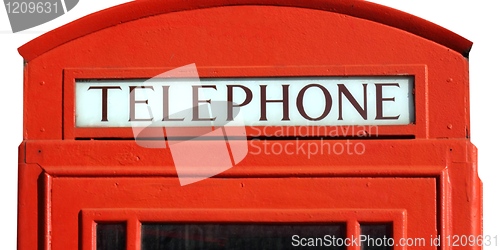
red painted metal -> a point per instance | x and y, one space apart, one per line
422 176
141 9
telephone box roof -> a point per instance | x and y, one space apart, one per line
144 8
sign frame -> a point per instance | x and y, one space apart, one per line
419 129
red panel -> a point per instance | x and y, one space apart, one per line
119 174
127 158
98 167
244 200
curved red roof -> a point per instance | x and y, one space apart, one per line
143 8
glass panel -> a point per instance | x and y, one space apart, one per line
241 236
376 236
111 236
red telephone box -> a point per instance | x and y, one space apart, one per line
354 130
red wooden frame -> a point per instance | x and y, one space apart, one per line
134 219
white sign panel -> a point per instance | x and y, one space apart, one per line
290 101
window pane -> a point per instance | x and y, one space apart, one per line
378 236
241 236
111 236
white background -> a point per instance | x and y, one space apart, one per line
476 20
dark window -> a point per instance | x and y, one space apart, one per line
377 236
241 236
111 236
